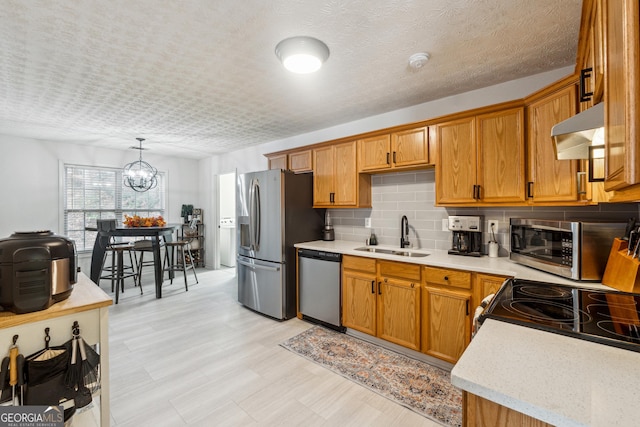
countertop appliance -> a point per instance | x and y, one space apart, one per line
273 212
37 269
598 315
319 290
577 250
466 236
328 233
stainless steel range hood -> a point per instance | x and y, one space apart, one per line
574 136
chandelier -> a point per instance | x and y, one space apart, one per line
139 175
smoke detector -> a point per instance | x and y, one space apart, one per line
417 60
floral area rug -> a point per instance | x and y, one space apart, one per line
416 385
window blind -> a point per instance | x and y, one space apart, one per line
92 193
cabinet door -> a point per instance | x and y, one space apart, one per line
410 147
399 312
552 180
374 153
484 285
456 161
501 156
346 176
359 292
621 119
446 325
323 175
278 162
301 161
485 413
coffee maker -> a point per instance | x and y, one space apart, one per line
466 235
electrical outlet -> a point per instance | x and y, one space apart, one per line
367 222
445 224
495 223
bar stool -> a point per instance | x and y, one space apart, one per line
175 259
118 270
141 247
118 251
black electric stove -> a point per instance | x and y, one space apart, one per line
602 316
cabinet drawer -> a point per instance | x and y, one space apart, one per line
359 263
399 269
446 277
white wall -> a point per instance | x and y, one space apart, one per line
30 187
252 159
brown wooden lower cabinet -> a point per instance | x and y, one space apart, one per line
480 412
382 298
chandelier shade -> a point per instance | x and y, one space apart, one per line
140 176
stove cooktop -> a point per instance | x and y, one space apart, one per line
605 317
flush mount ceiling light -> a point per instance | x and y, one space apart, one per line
417 60
140 176
302 54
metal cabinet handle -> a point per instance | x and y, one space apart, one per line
394 157
584 75
467 307
581 177
379 288
332 197
413 285
388 159
373 284
446 278
530 189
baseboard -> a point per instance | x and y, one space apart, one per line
402 350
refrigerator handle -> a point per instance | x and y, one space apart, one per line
257 219
257 266
252 213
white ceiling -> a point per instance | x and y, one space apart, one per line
200 77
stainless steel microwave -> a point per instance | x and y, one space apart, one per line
577 250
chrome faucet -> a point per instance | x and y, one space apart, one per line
404 232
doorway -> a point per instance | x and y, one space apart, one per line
227 220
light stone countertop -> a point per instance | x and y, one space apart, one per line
560 380
501 266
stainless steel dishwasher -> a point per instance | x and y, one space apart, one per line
319 291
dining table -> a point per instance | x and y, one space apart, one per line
155 234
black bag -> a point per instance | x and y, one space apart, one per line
44 373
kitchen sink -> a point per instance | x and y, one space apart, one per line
398 252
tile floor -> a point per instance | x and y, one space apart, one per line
199 358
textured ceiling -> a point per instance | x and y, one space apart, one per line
200 77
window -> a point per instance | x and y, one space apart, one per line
92 193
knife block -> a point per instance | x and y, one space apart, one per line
622 270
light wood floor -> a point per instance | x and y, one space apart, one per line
199 358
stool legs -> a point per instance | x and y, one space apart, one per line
171 263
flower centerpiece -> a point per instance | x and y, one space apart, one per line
138 221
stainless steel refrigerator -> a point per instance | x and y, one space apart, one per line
273 212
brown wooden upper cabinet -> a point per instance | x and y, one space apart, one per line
622 98
407 149
590 64
301 161
336 182
278 161
481 159
551 180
